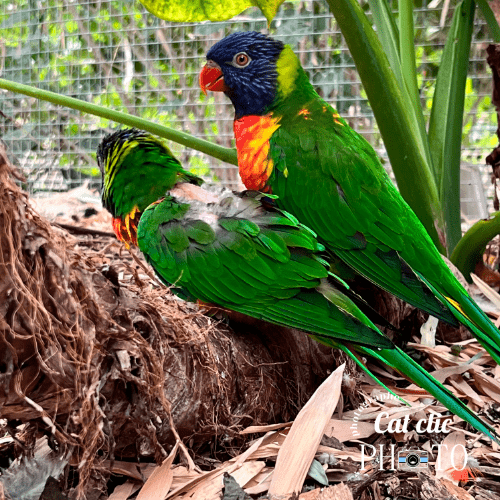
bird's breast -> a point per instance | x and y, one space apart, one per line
126 228
252 135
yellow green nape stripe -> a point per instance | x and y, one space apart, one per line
287 66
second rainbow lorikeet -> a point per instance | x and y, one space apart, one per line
275 260
135 155
233 251
294 144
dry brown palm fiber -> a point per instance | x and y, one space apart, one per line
51 329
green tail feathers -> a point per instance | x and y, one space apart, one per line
473 317
363 367
401 362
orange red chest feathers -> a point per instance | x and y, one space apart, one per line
126 228
252 135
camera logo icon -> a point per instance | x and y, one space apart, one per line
413 460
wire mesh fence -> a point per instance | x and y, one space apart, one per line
116 54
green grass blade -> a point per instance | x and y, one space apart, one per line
470 249
388 34
445 126
409 71
490 19
398 128
407 50
399 48
224 154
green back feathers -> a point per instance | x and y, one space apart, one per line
240 256
137 169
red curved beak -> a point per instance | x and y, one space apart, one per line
211 78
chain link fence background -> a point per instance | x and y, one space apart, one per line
116 54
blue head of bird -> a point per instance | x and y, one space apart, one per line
244 66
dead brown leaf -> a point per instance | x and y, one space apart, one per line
487 290
255 429
455 490
159 483
343 430
337 492
260 483
247 472
123 491
300 446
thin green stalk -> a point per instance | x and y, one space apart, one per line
399 130
445 125
399 49
490 19
407 52
470 249
409 71
388 34
219 152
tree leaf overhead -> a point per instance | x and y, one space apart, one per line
269 8
208 10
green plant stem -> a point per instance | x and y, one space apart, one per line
470 249
388 34
398 45
409 75
224 154
407 52
490 18
401 134
445 125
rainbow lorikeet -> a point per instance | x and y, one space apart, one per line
146 159
292 143
236 252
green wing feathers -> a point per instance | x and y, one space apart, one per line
267 270
346 212
271 272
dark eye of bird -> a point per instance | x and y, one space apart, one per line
241 59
